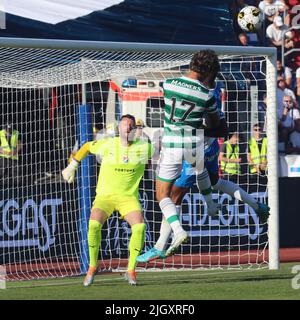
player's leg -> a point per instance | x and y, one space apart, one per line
177 194
97 219
168 208
178 191
130 211
168 171
196 158
231 188
158 250
205 187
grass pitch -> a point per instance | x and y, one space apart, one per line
183 285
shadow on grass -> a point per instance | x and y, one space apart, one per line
167 279
193 280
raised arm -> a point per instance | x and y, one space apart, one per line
69 172
82 152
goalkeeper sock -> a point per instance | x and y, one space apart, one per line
136 244
94 238
169 212
235 191
204 186
165 232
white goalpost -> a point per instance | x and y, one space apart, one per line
57 94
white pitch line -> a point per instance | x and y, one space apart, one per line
163 275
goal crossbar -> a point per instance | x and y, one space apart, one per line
86 51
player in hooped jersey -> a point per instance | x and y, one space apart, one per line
187 101
187 180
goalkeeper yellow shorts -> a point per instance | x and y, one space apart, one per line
111 203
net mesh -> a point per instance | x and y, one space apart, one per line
42 216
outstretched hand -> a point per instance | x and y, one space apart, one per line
69 172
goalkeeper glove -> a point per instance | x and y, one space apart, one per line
69 173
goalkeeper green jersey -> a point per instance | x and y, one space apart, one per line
186 103
122 167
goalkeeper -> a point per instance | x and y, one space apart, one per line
209 176
123 165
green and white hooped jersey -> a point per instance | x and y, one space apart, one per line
186 103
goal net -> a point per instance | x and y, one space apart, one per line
56 95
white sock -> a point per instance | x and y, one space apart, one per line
178 210
165 232
169 212
164 235
204 186
235 191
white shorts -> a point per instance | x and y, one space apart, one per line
170 162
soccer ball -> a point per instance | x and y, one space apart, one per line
250 19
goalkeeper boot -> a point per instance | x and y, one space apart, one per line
213 208
178 239
130 276
150 255
263 212
89 278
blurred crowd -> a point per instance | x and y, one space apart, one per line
281 30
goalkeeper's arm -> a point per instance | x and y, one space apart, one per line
69 172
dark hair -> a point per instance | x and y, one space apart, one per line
128 116
234 133
257 125
206 63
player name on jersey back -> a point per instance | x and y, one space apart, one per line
186 102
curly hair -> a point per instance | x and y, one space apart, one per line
206 63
